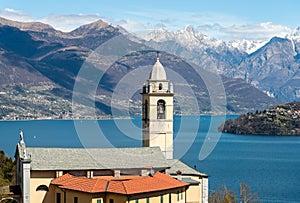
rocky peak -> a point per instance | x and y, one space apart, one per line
159 35
278 46
295 34
248 46
26 26
187 37
93 28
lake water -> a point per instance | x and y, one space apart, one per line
269 164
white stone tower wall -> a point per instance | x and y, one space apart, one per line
158 112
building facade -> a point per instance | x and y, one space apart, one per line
148 174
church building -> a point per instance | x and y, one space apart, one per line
146 174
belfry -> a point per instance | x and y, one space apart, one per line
157 101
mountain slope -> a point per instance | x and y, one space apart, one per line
283 119
43 64
240 96
272 67
210 54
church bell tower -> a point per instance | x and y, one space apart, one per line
157 112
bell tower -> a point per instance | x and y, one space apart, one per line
157 112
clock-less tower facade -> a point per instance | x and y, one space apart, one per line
157 112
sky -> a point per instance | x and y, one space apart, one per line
221 19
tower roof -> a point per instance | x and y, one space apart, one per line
158 71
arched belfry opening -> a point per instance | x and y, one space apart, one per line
161 109
160 86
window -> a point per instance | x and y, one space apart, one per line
181 195
147 200
42 188
161 199
161 108
75 199
160 86
58 198
111 201
177 196
136 201
99 201
170 198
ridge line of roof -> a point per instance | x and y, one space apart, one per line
124 187
82 148
106 187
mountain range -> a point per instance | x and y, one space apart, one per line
39 66
271 66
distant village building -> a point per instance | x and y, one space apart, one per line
116 175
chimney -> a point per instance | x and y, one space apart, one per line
179 175
147 170
117 173
59 174
90 174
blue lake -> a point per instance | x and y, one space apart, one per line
269 164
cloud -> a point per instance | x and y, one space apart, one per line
255 31
60 22
16 15
217 25
131 25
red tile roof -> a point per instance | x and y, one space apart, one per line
157 182
82 184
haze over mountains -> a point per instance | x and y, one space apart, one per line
39 65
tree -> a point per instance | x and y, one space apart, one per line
246 196
224 195
7 169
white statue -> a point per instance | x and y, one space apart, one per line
21 136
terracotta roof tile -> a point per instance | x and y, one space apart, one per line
157 182
84 184
116 187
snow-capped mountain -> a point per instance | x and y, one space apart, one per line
47 56
248 46
193 39
271 65
187 37
294 36
209 53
